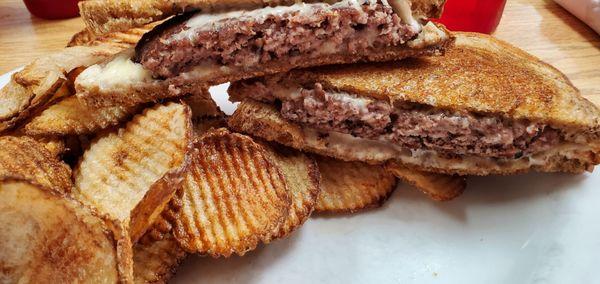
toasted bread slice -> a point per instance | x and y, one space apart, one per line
23 158
127 38
32 87
155 261
437 187
131 174
303 181
119 15
71 116
352 186
47 237
481 74
232 197
483 79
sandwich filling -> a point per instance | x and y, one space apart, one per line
409 126
289 34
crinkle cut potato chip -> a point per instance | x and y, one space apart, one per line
131 174
352 186
49 238
302 178
438 187
24 158
233 196
155 261
72 116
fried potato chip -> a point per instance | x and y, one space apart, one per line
72 116
32 87
302 178
203 106
438 187
50 238
206 115
206 124
233 196
130 175
155 261
352 186
23 158
56 146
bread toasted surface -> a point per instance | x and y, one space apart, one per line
126 38
265 121
117 15
480 74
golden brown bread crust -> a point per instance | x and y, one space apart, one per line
103 16
480 74
141 92
265 121
124 39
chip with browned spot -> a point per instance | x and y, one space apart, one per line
155 261
131 174
47 236
233 196
302 178
352 186
24 158
438 187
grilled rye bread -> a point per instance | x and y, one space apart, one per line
484 108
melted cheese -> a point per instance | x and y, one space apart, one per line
362 149
403 10
121 70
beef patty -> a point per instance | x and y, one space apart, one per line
410 126
286 34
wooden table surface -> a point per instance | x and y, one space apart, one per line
540 27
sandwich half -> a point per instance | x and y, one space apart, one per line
201 48
484 108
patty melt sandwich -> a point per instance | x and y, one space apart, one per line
484 108
208 48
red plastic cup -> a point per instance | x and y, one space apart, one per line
53 9
481 16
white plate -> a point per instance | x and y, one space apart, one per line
535 228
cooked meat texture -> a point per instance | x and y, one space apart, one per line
256 37
413 127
